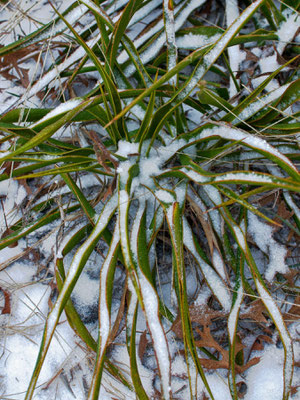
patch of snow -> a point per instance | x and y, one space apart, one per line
164 196
214 281
14 194
125 148
213 54
262 234
284 334
287 30
264 380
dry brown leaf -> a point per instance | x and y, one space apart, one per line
294 390
258 343
204 316
255 312
290 277
101 151
251 56
142 344
207 340
116 328
269 198
6 309
282 214
205 223
8 232
294 312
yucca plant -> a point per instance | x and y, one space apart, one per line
183 148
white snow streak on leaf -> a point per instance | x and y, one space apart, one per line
62 108
158 335
144 11
236 56
123 209
50 76
53 317
262 102
219 263
60 26
240 176
135 230
155 47
94 7
170 36
213 193
116 5
192 41
240 237
67 237
284 334
132 306
104 318
288 198
214 281
150 301
250 140
234 313
213 55
195 176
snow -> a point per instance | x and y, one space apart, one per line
22 334
67 364
262 234
236 56
213 54
219 263
262 102
284 334
287 30
234 313
125 148
14 195
61 109
262 385
155 47
104 316
192 41
247 139
214 281
164 196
